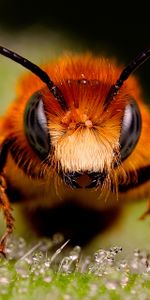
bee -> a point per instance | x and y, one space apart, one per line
77 128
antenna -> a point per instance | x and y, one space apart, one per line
132 66
38 72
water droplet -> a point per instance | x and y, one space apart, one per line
100 255
47 263
137 252
46 245
84 264
22 268
115 249
57 238
124 280
64 265
47 278
5 275
111 285
21 242
74 254
123 265
37 256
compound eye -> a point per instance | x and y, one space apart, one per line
35 123
131 129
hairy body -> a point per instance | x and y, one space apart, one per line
77 145
83 139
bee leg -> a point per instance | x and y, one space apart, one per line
146 213
7 211
4 201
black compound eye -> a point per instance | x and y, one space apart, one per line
36 126
131 129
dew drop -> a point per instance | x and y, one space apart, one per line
124 280
57 238
47 279
74 254
100 255
111 285
22 268
37 256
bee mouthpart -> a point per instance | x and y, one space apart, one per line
78 180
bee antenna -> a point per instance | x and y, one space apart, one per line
132 66
38 72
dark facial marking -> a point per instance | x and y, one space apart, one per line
83 179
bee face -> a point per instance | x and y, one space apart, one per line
83 154
77 142
87 141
